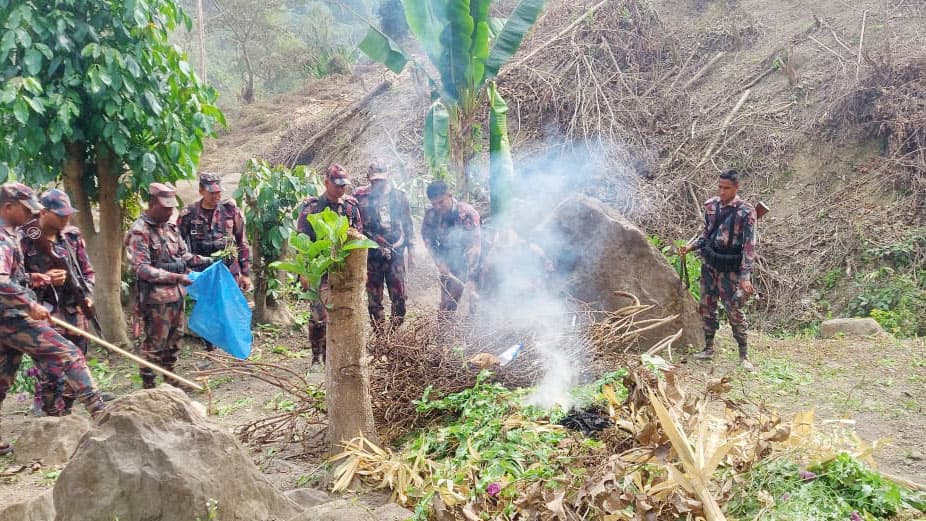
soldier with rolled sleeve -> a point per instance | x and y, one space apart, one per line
23 326
160 261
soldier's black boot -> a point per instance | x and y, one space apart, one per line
147 379
708 353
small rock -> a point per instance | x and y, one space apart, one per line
308 497
916 456
50 439
337 510
851 327
392 512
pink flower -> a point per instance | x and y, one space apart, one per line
807 475
493 489
785 497
856 517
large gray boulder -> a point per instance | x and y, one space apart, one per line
602 252
51 439
38 508
155 456
851 328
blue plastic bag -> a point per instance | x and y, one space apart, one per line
221 314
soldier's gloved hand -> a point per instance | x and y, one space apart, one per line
183 279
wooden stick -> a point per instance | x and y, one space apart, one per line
138 360
861 41
702 70
338 119
824 46
723 128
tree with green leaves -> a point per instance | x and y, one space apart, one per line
467 47
94 96
270 196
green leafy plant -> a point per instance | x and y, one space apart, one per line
313 259
488 441
837 490
692 263
270 197
93 94
896 301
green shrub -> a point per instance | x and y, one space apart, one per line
896 301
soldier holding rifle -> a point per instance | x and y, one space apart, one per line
727 246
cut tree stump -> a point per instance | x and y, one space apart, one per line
347 372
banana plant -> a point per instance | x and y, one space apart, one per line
468 48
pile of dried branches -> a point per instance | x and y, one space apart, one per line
304 420
890 104
427 353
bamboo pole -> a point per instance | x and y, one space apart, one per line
138 360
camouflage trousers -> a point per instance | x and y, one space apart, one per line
717 287
54 356
55 397
318 325
163 325
390 273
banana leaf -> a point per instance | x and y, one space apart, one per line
501 169
426 20
479 52
495 27
437 139
382 49
456 40
508 41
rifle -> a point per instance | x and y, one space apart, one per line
75 283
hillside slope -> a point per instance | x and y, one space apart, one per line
643 102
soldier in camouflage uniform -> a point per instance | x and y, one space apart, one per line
387 219
23 329
335 198
160 261
51 246
450 230
211 225
728 250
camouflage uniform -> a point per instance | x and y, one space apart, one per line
387 219
159 259
735 234
63 301
453 239
208 231
349 208
20 334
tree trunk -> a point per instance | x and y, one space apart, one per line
247 95
201 29
347 378
260 281
73 171
108 258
